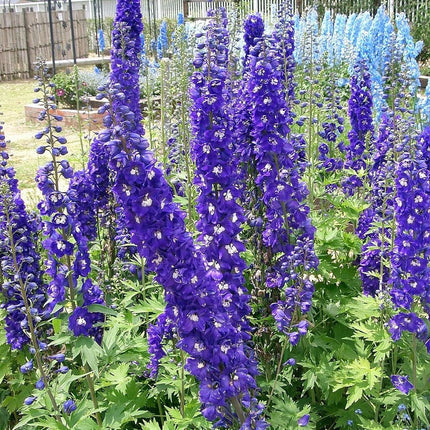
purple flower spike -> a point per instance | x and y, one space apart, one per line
402 383
20 265
194 312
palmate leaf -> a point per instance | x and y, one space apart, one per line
89 350
363 307
117 377
358 375
420 405
354 394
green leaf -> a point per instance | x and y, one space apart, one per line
102 309
89 350
354 394
420 405
118 377
56 324
16 402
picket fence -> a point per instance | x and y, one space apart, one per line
198 9
26 36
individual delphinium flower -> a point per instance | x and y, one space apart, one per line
194 311
360 137
286 231
402 383
217 176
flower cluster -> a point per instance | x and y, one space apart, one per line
162 42
346 40
156 225
217 175
68 227
375 222
410 276
21 276
361 134
287 230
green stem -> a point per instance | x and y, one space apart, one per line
182 399
90 383
238 408
278 371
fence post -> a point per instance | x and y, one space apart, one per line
27 44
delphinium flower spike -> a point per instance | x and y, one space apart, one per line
20 274
376 248
217 176
194 310
69 224
286 232
410 278
360 137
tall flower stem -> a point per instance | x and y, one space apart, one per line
278 371
34 341
93 395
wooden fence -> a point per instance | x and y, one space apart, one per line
26 36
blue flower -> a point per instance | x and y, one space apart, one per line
27 367
29 400
402 383
304 420
69 406
81 321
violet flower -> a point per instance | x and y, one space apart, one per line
402 383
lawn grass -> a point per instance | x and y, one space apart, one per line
22 143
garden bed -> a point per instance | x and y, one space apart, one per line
71 117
